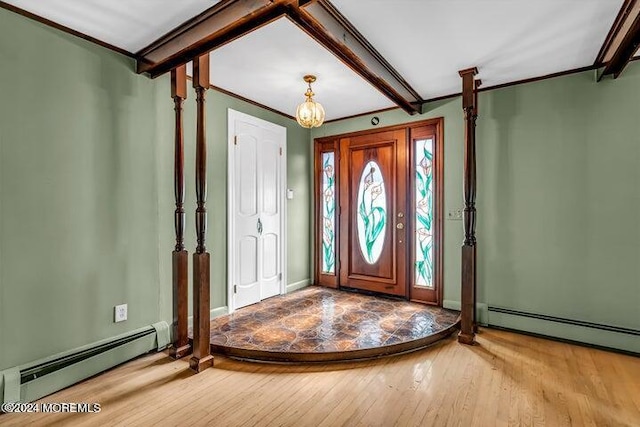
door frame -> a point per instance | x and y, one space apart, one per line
232 116
422 294
326 143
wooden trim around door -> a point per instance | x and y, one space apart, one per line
432 127
421 294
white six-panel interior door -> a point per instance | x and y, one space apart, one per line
256 200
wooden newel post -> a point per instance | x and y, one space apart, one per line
181 345
201 358
477 85
468 285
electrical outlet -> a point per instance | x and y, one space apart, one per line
120 313
455 214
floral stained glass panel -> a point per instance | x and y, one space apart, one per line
328 213
372 212
424 218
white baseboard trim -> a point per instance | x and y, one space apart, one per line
298 285
483 310
213 313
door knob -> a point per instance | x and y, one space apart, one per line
400 226
259 226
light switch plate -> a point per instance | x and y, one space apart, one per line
455 215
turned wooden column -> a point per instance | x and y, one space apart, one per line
201 358
181 346
468 285
477 85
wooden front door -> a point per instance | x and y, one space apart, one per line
379 210
373 212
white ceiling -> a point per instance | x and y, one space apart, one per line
427 41
268 64
127 24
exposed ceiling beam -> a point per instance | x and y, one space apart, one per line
322 21
622 41
231 19
222 23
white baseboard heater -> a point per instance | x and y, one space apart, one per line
40 378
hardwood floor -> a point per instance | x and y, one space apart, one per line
507 379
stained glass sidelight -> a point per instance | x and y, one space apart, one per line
424 213
372 212
328 213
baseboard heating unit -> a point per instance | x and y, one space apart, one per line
598 335
37 379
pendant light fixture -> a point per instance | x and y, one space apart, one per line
310 114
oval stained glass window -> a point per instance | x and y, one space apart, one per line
371 215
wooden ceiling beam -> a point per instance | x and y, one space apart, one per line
218 25
231 19
622 41
324 23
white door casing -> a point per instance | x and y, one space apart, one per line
257 211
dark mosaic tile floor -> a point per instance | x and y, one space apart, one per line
322 320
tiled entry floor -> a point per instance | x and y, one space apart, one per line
321 324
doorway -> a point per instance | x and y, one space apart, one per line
379 204
256 217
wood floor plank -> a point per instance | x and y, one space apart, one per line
350 400
430 392
327 396
506 379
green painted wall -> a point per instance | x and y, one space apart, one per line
86 195
558 201
86 192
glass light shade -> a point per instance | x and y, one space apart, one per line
310 114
